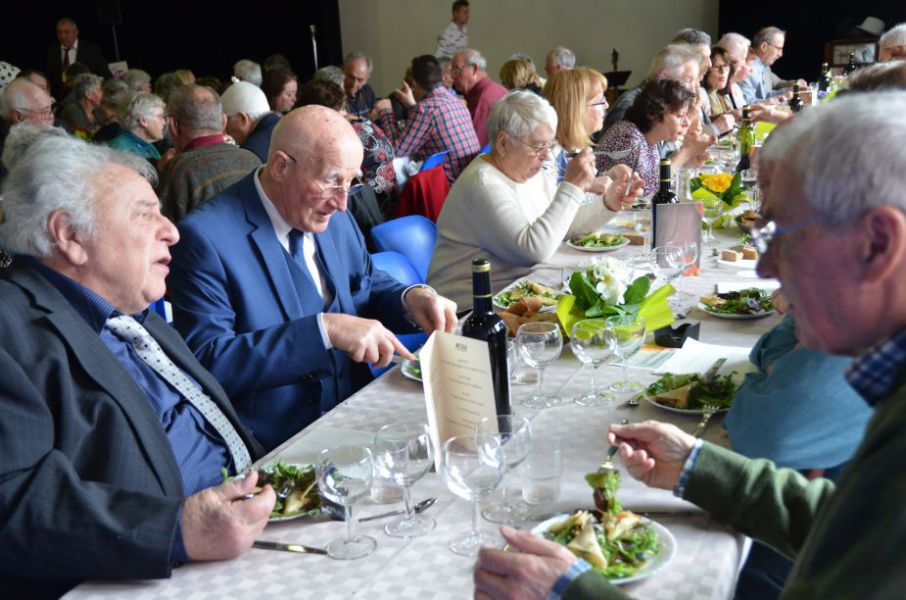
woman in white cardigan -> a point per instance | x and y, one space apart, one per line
505 208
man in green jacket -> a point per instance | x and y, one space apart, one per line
835 235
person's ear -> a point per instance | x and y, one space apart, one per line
68 240
884 247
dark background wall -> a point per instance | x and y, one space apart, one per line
165 35
809 24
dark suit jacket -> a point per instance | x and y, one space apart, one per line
250 315
89 486
88 53
259 140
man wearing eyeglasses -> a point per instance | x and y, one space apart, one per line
22 102
274 291
762 84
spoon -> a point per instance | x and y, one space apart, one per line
336 512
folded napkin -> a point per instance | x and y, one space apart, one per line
697 357
768 285
305 450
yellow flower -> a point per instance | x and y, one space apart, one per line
717 183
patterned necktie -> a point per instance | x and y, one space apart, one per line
129 330
66 58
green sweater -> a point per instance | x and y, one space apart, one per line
848 542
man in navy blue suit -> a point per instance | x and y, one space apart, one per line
274 291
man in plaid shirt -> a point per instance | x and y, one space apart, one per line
438 121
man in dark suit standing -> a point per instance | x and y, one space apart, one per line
273 289
112 436
70 50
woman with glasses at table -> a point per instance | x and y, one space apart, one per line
503 207
659 114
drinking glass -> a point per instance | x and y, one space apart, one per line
626 335
540 344
590 343
403 453
541 471
514 434
473 467
690 256
713 209
344 475
667 262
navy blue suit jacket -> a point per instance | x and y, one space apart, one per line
259 140
238 306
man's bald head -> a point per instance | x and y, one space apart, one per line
312 131
22 100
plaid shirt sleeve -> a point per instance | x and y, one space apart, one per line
567 577
417 129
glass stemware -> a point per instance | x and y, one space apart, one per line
403 453
667 262
473 467
539 344
515 437
713 209
626 336
344 476
591 344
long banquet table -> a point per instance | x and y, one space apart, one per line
704 567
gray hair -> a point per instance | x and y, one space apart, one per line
735 43
248 70
117 94
20 139
564 57
357 55
671 60
521 56
846 154
519 113
888 75
767 34
895 36
330 73
474 57
85 82
196 107
15 96
694 37
55 173
137 79
142 106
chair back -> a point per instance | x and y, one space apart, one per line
433 160
485 150
411 236
397 266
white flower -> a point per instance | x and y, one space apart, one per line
610 277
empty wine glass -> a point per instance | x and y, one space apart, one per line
627 335
667 262
713 209
344 476
514 434
403 453
473 467
591 344
690 256
540 344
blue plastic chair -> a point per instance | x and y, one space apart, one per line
485 150
433 160
411 236
400 268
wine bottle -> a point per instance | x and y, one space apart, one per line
484 324
745 141
796 103
824 80
664 195
850 64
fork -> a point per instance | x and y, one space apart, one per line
612 155
708 411
607 465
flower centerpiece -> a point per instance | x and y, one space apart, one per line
723 187
603 288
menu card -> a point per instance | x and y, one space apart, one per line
459 390
679 224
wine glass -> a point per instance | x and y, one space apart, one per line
540 344
667 262
344 475
591 344
713 209
690 256
403 453
473 467
514 434
627 335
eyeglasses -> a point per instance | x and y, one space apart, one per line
602 102
539 150
774 47
329 190
41 112
762 236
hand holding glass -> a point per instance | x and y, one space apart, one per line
344 476
539 344
591 344
403 453
514 434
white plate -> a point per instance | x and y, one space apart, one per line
305 513
406 368
681 411
749 317
738 264
625 242
499 306
666 543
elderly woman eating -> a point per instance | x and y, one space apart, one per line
503 207
659 114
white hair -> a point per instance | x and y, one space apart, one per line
142 106
767 34
329 73
20 139
243 97
519 113
474 57
846 154
248 70
16 97
357 55
670 61
137 79
735 43
564 57
55 173
895 36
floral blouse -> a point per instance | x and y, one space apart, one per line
377 164
644 156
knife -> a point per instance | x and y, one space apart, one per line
298 548
711 373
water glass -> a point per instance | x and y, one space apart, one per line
514 434
541 471
344 476
403 453
627 336
539 344
668 262
590 343
713 209
473 466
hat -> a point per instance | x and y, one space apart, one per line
872 26
8 72
244 97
